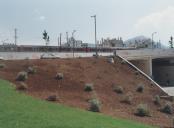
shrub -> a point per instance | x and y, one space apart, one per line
89 87
127 98
167 108
110 60
2 65
52 98
22 87
140 88
22 76
118 89
31 70
157 100
59 76
142 110
137 73
95 105
123 62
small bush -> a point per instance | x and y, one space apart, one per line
22 76
2 66
157 100
110 60
52 98
127 98
123 62
142 110
31 70
59 76
22 87
89 87
137 73
95 105
118 89
167 108
140 88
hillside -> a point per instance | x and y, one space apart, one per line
102 74
21 111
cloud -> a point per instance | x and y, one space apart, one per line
39 15
42 18
162 22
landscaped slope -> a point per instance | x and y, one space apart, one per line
20 111
77 72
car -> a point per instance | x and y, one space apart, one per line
1 58
48 56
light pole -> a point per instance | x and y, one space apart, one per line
73 40
152 38
95 22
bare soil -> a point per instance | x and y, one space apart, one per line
77 72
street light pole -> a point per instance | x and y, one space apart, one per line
152 38
73 41
95 22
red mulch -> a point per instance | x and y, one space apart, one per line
102 74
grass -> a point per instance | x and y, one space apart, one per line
20 111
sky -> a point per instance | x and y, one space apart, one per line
115 18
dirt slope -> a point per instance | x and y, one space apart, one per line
79 71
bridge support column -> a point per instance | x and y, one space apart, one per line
144 64
150 67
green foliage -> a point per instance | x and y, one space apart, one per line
89 87
140 88
157 100
21 111
59 76
2 66
118 89
95 105
142 110
171 42
31 70
22 76
52 98
123 62
22 86
167 108
128 98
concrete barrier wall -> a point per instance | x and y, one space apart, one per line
146 53
37 55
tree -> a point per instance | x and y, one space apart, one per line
46 37
171 42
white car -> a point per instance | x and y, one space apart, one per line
1 58
48 56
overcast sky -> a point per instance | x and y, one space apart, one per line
125 18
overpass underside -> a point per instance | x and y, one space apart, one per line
160 70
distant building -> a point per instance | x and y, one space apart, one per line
112 42
72 42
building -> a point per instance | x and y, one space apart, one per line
112 42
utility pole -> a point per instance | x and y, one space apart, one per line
95 23
15 38
152 39
60 40
58 43
67 38
73 41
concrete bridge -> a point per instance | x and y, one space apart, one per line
156 63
